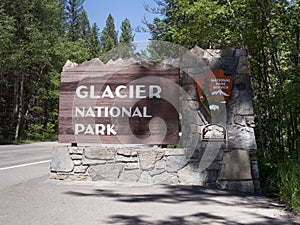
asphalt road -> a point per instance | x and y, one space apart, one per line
12 155
21 163
28 197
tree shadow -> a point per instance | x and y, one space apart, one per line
199 196
180 194
193 219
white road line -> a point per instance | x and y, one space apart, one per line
23 165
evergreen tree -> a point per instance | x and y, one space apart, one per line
94 42
126 32
109 36
126 46
84 27
74 9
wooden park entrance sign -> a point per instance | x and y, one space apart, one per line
135 101
126 103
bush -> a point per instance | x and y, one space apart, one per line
289 183
39 132
281 178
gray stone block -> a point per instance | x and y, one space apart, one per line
240 137
165 178
61 160
132 166
191 175
156 172
175 151
145 178
236 166
175 163
130 175
80 169
79 177
76 150
110 172
244 104
76 157
91 162
121 158
254 170
160 165
147 159
126 152
77 162
99 153
240 120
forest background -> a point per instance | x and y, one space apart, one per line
38 37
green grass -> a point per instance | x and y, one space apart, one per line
289 183
281 179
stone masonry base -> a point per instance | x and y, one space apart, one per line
138 164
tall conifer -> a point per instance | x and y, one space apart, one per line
74 9
109 35
127 35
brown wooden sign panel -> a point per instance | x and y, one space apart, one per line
110 104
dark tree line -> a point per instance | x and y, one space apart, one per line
36 39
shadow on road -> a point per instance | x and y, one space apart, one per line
200 196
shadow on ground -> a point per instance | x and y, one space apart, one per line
196 195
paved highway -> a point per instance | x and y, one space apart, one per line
28 197
20 163
13 155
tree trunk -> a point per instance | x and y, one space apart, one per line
20 108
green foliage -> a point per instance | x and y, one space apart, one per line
84 27
289 183
281 178
270 31
126 32
40 132
75 20
109 36
74 51
94 42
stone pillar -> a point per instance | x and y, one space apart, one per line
231 164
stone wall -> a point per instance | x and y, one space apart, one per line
227 164
142 164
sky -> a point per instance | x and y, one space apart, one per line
98 11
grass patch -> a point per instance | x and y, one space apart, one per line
289 183
280 178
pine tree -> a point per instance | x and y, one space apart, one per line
84 27
126 32
94 46
109 36
74 9
126 46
